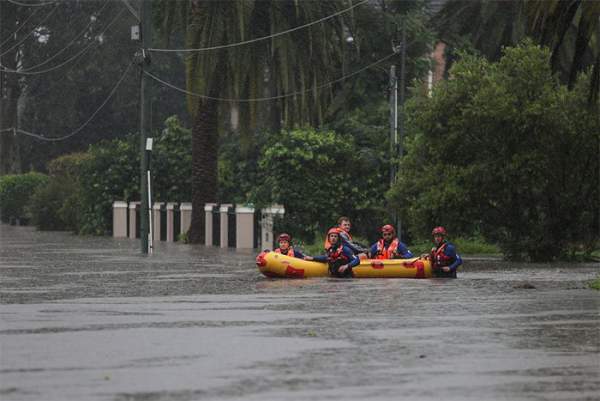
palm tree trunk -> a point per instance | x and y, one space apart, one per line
205 154
205 149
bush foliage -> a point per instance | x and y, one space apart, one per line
57 205
505 151
317 176
16 193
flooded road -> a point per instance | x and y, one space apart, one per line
88 318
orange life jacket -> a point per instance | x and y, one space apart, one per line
389 252
336 254
290 252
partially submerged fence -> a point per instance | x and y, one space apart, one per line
226 225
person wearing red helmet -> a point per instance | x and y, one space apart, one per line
339 256
285 246
389 246
444 258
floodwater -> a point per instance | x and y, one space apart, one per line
87 318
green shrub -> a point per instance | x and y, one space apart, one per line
464 246
56 205
317 176
111 172
502 149
46 203
15 195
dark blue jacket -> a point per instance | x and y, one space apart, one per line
353 260
354 247
447 257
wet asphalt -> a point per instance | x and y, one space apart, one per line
90 318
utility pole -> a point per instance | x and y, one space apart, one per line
399 141
396 148
144 60
393 122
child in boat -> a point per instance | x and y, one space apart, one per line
343 229
389 246
285 246
444 259
338 255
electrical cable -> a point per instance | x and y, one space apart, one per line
68 45
262 99
3 68
32 32
245 42
131 9
20 27
61 138
30 4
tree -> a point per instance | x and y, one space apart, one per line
289 63
569 27
505 151
572 30
68 57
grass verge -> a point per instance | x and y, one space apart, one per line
595 284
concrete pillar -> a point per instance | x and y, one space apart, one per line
119 219
170 222
133 206
156 221
224 224
185 215
266 225
244 227
208 223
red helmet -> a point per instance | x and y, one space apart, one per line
439 230
334 230
388 228
284 237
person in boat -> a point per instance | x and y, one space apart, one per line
340 258
389 246
444 258
343 228
285 246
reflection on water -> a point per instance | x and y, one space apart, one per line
92 319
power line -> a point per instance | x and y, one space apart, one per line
262 99
31 33
11 36
60 138
131 9
263 37
67 46
30 4
3 68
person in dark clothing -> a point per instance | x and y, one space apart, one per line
339 256
444 258
389 246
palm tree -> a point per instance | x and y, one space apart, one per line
569 27
487 25
294 62
572 30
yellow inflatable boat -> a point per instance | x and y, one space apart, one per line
273 264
